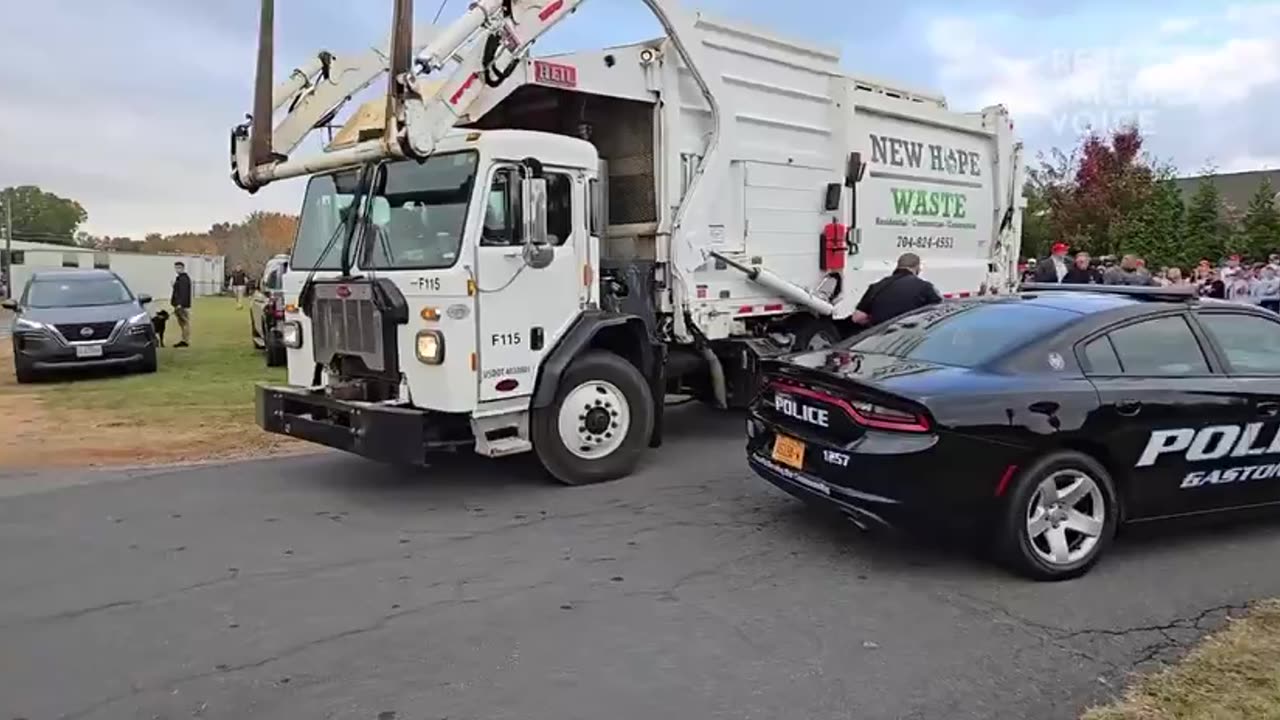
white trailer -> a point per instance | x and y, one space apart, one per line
145 273
542 249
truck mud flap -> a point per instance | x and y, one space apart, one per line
389 434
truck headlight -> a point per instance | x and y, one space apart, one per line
291 334
429 347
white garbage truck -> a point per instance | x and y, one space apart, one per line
512 254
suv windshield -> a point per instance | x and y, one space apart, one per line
77 292
418 215
962 334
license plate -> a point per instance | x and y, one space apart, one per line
88 351
788 451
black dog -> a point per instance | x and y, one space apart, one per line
157 323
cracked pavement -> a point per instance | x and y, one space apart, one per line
329 587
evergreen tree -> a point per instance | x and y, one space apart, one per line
1152 228
1261 226
1205 232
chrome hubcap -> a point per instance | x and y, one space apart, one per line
1065 517
594 419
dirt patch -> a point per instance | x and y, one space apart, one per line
32 436
38 434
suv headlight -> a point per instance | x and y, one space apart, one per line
429 347
291 334
25 324
139 323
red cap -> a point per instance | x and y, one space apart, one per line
1060 248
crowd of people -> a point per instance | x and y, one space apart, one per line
1257 283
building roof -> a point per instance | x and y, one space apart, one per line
1236 188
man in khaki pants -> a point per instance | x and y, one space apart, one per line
181 302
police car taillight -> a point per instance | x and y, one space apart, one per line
863 412
887 418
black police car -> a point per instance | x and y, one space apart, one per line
1050 416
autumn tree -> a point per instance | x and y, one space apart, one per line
1097 197
1261 225
40 216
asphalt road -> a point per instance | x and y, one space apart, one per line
328 587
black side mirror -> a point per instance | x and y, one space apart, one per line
9 304
144 298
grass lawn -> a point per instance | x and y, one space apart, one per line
1232 675
198 405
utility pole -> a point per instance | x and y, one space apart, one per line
8 245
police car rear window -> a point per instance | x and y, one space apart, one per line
964 335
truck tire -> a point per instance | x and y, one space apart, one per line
814 334
599 423
275 353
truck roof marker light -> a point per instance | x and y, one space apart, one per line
430 314
291 308
473 136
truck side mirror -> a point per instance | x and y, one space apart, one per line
533 201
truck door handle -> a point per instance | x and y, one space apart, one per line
1268 409
1128 408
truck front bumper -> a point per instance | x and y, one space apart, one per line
388 433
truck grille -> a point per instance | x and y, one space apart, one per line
75 332
347 322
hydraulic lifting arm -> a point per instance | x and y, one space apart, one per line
475 53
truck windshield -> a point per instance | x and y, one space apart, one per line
417 216
962 334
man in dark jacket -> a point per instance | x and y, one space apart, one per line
181 302
1082 272
900 293
1054 269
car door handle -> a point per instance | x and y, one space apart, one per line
1268 409
1128 408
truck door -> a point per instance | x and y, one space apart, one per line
521 310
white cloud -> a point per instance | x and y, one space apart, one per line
1178 25
1211 93
1228 73
1250 163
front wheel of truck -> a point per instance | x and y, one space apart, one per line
598 425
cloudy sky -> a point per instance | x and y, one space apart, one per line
126 105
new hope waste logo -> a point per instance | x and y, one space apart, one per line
938 201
